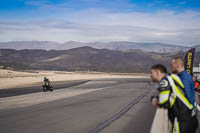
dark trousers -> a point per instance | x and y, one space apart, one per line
189 126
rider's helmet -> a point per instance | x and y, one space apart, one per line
45 78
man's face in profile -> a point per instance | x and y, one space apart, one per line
154 75
174 66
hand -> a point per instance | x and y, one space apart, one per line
154 101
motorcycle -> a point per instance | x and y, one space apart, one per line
47 86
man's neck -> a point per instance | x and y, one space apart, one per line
180 70
161 76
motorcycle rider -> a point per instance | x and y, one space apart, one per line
47 84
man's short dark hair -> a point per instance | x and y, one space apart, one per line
160 67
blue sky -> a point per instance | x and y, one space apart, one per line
166 21
132 5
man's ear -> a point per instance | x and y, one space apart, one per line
157 72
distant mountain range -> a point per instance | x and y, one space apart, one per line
83 59
118 45
103 57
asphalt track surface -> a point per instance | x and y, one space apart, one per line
37 88
112 106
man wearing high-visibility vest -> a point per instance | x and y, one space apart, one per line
172 97
177 67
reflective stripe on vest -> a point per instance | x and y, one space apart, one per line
178 92
176 128
177 79
163 96
172 99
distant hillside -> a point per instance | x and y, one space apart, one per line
83 59
150 47
197 48
118 45
19 45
